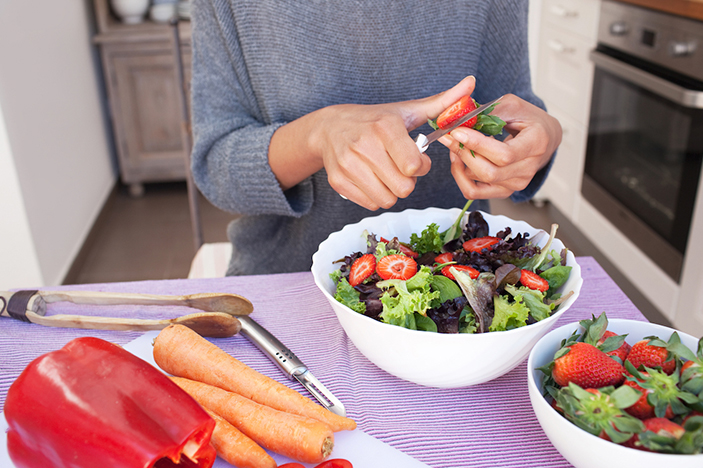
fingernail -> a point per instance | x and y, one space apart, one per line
452 157
460 136
445 140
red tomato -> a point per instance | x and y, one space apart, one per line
480 243
291 465
404 249
335 463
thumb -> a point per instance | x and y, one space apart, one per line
431 107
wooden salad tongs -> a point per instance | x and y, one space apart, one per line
218 319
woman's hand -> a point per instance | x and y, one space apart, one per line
365 149
497 168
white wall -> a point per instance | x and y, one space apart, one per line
534 22
54 155
18 259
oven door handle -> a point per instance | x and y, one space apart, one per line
664 88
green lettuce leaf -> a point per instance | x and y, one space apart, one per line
405 298
349 296
428 241
467 321
534 300
508 315
556 276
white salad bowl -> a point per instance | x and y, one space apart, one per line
427 358
581 449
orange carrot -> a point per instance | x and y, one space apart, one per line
180 351
236 448
297 437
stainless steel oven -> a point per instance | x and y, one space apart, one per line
645 136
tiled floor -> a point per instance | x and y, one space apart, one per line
151 238
144 238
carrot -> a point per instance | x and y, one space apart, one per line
236 448
180 351
297 437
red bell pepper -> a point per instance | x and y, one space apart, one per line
93 404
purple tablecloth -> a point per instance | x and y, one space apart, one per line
488 425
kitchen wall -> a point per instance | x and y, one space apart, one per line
56 169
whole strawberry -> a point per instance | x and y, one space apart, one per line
664 430
652 352
621 352
661 395
692 369
586 366
597 333
664 436
599 411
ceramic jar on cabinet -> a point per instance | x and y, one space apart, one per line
130 11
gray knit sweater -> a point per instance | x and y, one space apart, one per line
258 64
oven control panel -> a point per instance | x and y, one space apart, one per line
668 40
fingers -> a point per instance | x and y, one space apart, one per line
375 170
474 188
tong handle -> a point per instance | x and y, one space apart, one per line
272 347
232 304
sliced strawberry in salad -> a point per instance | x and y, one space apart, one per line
446 257
402 248
532 280
362 268
396 266
480 243
472 272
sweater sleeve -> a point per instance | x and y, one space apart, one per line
505 63
231 133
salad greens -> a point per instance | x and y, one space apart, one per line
443 299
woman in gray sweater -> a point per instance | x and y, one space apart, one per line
296 102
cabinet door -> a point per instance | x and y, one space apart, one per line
563 185
147 116
565 73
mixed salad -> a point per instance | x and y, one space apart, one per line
456 281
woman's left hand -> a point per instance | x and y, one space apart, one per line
497 168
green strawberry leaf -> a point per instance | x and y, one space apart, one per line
680 350
629 367
612 343
625 396
561 352
490 125
594 328
692 383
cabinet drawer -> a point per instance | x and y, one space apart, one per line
575 16
565 73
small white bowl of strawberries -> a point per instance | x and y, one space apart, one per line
620 393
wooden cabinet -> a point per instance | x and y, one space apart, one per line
145 96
